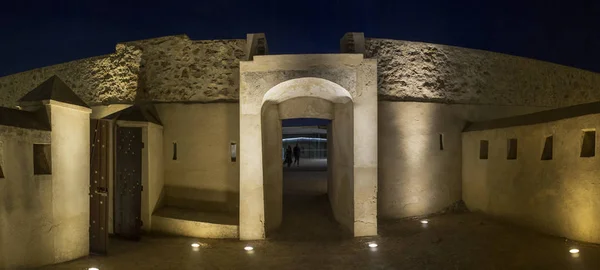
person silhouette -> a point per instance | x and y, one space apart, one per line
288 156
297 154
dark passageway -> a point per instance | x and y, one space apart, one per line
307 214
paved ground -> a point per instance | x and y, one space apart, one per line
310 239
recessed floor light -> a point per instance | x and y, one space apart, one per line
424 221
373 245
574 251
93 268
195 245
248 248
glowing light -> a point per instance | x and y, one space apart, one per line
195 245
248 248
574 251
424 221
93 268
372 245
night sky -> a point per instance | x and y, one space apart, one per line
51 32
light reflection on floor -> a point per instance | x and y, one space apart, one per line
310 239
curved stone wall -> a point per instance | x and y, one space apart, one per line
176 68
172 68
105 79
414 71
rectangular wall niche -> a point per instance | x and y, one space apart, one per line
548 145
42 162
441 141
174 151
1 160
511 152
233 150
588 145
483 149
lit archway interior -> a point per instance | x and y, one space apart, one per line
309 98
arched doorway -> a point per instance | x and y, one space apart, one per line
309 98
270 93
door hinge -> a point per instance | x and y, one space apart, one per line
143 145
141 188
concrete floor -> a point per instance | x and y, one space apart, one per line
311 239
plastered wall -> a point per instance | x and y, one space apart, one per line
25 202
70 180
559 196
203 176
340 187
416 177
273 168
156 179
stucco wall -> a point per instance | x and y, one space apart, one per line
203 176
415 71
102 79
70 180
340 187
559 196
176 68
273 168
416 177
156 179
26 221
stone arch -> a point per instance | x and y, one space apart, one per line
307 87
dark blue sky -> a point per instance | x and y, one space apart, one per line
50 32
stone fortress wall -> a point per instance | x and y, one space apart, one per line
415 71
104 79
172 68
425 91
177 69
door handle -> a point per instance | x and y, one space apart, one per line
101 192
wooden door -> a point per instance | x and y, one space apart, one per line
128 182
99 136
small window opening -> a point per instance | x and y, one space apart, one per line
588 145
511 152
42 162
548 145
233 149
441 141
1 160
174 151
483 149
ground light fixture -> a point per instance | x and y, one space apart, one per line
573 251
372 245
424 221
93 268
195 245
248 248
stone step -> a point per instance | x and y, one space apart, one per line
192 223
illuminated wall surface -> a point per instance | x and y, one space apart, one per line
542 175
423 163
